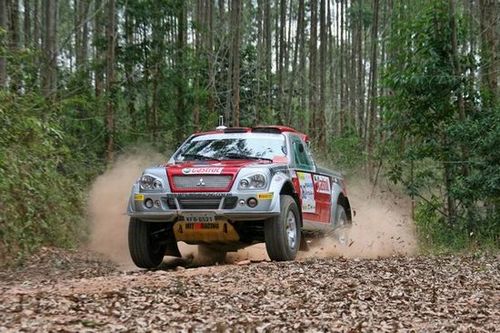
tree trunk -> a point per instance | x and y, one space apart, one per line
110 78
98 52
3 60
489 45
235 101
320 119
14 44
303 68
49 71
268 56
313 72
27 24
341 73
179 112
281 56
36 24
373 89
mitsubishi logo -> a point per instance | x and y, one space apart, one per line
201 182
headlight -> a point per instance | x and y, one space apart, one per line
150 183
254 182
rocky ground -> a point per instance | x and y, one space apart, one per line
75 292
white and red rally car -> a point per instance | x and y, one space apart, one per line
231 188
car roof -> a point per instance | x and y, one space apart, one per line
257 129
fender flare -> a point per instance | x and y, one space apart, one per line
339 197
282 184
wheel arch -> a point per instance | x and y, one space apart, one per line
344 202
288 189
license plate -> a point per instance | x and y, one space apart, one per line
199 217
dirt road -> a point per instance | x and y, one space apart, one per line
68 293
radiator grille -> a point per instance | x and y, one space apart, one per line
205 203
200 181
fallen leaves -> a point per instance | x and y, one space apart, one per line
399 293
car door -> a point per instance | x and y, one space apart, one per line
314 188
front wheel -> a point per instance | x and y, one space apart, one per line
146 247
282 233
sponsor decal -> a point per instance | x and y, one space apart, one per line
265 196
138 197
199 195
322 184
307 192
202 171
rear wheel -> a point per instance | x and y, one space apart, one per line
282 233
342 229
145 243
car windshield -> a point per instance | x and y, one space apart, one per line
233 146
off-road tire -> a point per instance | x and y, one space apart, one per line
145 251
279 245
342 228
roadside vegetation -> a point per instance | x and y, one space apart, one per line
405 91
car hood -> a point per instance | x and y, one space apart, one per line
210 168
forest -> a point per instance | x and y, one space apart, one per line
405 91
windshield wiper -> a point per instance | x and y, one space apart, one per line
245 157
200 157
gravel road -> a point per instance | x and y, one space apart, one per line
68 293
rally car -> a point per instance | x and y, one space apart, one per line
234 187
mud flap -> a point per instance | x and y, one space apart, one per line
303 244
172 248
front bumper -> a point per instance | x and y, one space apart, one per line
168 207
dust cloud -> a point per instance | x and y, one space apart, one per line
382 226
107 205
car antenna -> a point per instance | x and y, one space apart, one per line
221 126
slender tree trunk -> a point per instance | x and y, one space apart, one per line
36 24
98 56
341 76
292 87
360 74
210 56
320 119
303 69
268 56
110 80
373 89
14 36
27 24
457 69
81 34
129 67
490 62
260 51
313 72
179 112
280 57
49 72
236 15
3 60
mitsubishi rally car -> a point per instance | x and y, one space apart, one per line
233 187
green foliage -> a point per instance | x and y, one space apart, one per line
452 164
42 178
437 235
